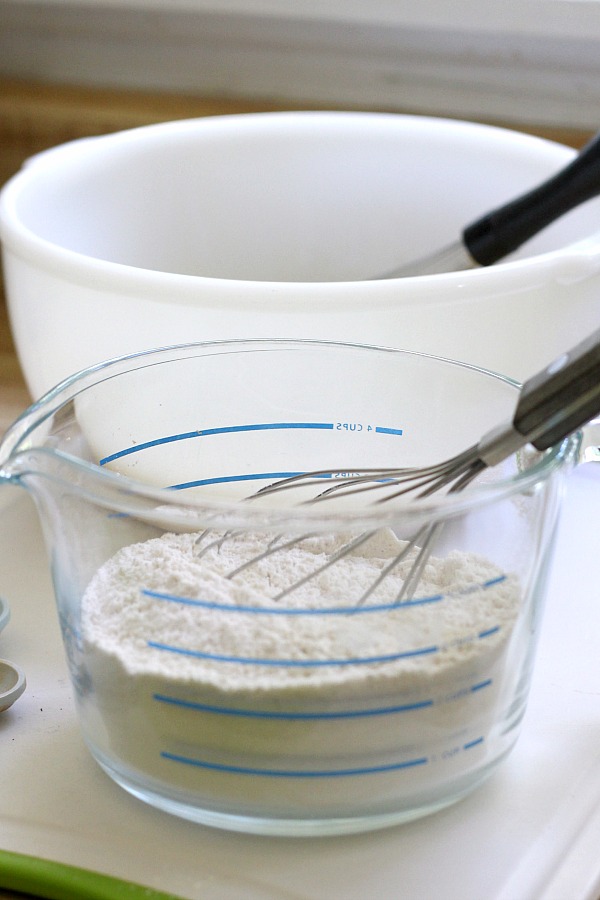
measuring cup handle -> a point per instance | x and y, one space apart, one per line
589 450
561 398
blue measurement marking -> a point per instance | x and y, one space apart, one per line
254 610
497 580
313 663
482 684
290 716
294 773
474 743
170 439
489 631
209 432
380 430
320 611
289 611
228 479
195 706
293 663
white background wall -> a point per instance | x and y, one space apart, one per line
536 62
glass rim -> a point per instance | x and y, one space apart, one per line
127 493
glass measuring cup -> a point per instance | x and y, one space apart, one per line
308 713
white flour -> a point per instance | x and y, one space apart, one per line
191 669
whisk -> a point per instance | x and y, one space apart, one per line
552 405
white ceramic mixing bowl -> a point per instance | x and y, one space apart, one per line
271 225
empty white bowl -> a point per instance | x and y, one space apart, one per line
272 225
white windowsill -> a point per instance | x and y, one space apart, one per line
534 62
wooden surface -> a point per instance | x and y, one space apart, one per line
35 116
14 396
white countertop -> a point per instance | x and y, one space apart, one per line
532 832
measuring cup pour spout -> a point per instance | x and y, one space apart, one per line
15 459
23 451
45 453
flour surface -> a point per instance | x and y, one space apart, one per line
212 691
164 609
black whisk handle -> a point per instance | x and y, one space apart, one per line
498 233
563 397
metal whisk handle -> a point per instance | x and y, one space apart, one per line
552 404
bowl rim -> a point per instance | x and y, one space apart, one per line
79 268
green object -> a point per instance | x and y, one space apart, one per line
56 881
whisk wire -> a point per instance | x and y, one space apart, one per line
273 547
403 594
341 553
454 473
552 405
